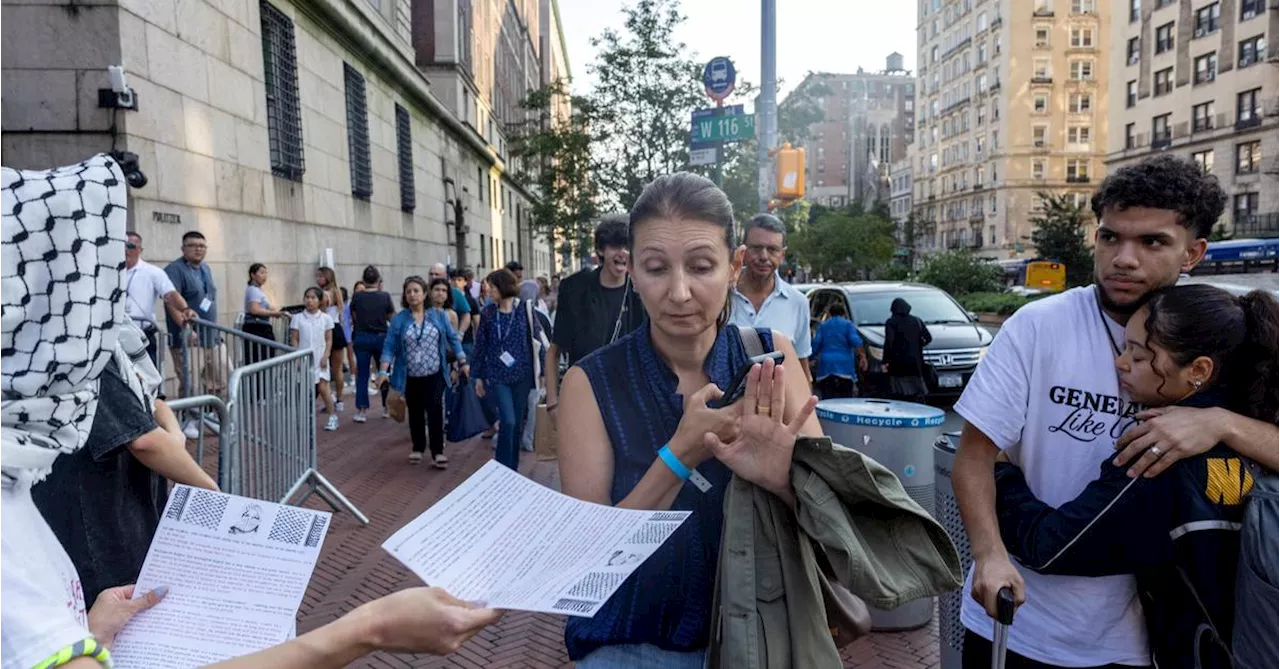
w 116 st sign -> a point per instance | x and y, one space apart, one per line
724 128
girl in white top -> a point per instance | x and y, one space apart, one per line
313 329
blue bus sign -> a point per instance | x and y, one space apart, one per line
719 78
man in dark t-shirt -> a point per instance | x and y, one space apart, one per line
595 306
102 501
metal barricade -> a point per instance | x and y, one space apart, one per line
267 433
200 402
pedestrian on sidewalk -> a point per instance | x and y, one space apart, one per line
905 337
415 362
507 363
371 309
838 355
144 284
346 326
760 298
334 304
258 314
313 329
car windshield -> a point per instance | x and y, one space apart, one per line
930 306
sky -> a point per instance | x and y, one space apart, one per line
813 35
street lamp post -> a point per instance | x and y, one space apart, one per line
767 102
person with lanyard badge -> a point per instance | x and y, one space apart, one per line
257 315
144 284
507 366
761 298
334 305
415 362
1047 396
313 329
193 280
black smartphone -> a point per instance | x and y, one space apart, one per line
738 386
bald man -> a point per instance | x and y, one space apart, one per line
460 304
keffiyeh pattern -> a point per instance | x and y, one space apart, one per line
61 262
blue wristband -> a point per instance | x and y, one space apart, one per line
674 463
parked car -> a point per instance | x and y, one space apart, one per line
959 342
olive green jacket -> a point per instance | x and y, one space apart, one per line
883 547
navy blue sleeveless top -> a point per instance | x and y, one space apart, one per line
667 601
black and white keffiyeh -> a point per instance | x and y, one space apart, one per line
61 264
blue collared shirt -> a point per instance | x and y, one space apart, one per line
785 310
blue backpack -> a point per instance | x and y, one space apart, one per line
1257 620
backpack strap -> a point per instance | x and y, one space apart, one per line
751 340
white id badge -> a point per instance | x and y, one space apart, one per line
205 304
507 359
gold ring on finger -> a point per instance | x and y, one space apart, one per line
764 409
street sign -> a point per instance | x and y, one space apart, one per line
702 156
719 78
702 114
724 128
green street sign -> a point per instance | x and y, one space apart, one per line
724 128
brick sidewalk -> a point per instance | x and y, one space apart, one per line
369 464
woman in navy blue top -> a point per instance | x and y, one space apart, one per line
505 366
634 421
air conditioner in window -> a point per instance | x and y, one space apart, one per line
1202 31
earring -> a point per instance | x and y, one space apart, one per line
1197 383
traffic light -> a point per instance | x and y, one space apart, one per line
789 173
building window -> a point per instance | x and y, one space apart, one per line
1131 94
1078 134
1249 107
1164 81
1134 50
1040 104
1246 204
1204 159
1248 157
1253 50
1251 8
280 72
1081 38
1206 68
404 159
358 133
1078 171
1130 140
1037 168
1081 6
1080 103
1039 136
1160 4
1040 69
1202 117
1161 130
1207 19
1081 70
1164 38
1042 37
1135 10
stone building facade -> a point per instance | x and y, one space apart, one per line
292 133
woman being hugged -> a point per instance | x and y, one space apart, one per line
415 362
635 413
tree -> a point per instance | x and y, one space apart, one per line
1058 233
647 87
960 273
561 152
910 232
846 244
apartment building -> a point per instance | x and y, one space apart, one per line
1011 103
293 133
869 123
1199 78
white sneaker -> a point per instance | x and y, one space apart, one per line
386 413
359 417
190 431
332 424
338 406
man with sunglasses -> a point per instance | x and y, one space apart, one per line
144 284
761 298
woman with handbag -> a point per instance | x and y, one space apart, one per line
415 363
905 337
508 363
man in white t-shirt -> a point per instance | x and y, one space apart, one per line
1048 395
145 283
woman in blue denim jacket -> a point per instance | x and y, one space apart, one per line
415 356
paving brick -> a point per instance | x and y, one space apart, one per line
369 465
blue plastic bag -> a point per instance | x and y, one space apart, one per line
466 416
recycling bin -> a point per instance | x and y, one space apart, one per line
947 512
900 436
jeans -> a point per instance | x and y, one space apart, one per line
424 400
834 387
641 656
368 346
512 401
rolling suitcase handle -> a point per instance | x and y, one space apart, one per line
1000 632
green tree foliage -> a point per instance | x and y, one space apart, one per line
844 245
1058 233
960 273
560 151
